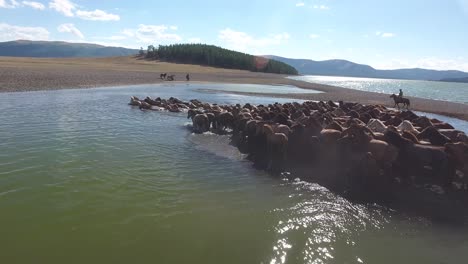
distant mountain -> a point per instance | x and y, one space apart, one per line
60 49
462 80
351 69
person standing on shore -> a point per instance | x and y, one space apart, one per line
187 77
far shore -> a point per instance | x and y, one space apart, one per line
36 74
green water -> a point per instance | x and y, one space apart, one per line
85 178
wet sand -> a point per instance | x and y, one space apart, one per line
34 74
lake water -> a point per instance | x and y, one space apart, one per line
85 178
445 91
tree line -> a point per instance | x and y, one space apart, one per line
210 55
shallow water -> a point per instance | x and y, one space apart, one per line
445 91
253 88
86 178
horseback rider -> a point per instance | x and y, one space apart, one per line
398 99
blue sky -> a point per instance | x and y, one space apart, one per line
384 34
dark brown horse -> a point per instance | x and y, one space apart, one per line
400 100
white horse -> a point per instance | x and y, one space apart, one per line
375 125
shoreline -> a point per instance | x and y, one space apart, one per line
38 74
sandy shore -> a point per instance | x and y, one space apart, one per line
33 74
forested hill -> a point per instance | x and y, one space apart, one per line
210 55
60 49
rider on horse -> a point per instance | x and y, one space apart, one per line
398 99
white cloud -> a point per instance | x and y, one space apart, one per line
426 63
300 4
281 36
11 32
8 4
35 5
388 35
314 36
128 32
70 9
3 4
97 15
117 37
114 37
145 35
242 41
64 7
385 34
321 7
194 40
152 34
70 28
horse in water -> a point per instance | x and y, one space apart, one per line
400 100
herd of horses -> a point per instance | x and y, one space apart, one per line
165 76
355 149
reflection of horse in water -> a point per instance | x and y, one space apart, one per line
400 100
163 76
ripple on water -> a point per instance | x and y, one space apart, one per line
319 224
217 144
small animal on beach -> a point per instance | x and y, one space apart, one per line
400 100
163 76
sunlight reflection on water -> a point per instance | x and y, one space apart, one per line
446 91
328 222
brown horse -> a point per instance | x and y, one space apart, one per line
400 100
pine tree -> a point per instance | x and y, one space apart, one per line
210 55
